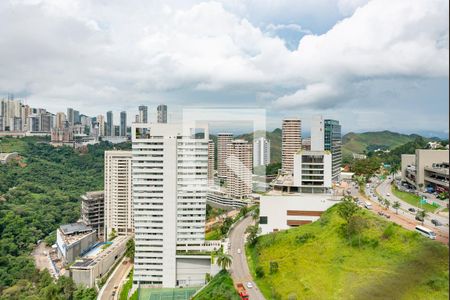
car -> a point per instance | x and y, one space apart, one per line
113 293
411 209
419 218
388 194
381 213
249 285
239 251
436 222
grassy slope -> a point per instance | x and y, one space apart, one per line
219 288
358 142
404 266
412 199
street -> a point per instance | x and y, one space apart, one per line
239 268
115 280
404 218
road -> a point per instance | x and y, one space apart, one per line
404 218
116 279
239 268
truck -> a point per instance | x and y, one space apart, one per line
241 291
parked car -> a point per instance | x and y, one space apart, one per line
436 222
411 209
419 218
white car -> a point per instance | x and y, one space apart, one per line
239 251
388 194
249 285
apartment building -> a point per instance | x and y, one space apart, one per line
170 181
118 193
290 143
211 153
333 143
143 114
239 169
223 139
162 113
426 170
123 123
261 152
312 171
93 211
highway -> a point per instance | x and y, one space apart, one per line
116 279
404 218
239 268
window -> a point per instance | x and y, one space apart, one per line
262 220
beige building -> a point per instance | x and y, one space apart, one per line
291 143
211 162
118 197
60 120
427 169
223 139
239 168
101 125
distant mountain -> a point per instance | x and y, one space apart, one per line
351 142
360 142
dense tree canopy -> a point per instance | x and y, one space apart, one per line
37 194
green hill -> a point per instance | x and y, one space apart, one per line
360 142
275 142
328 260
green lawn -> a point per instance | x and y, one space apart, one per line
219 288
445 210
213 235
317 261
166 294
126 287
412 199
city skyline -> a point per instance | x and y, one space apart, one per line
275 50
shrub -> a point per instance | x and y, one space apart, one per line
273 267
388 232
259 272
303 238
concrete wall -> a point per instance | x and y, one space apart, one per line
276 208
407 159
191 270
425 158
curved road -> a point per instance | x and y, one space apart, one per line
239 268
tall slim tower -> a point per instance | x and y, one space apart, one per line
118 197
261 152
333 143
70 116
170 181
101 125
223 139
123 123
60 120
143 114
109 124
239 166
291 142
317 134
162 113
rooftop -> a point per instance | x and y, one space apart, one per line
74 228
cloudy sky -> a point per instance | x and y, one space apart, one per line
373 65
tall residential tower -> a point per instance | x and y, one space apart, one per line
291 142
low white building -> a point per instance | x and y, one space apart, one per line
280 212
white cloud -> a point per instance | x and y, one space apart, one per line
100 52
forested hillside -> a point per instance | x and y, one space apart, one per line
37 194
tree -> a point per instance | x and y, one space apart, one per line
396 206
129 252
387 203
112 235
347 209
255 213
259 271
273 267
421 214
224 260
244 210
253 232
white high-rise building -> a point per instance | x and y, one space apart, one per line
291 143
261 152
170 181
118 197
211 152
317 134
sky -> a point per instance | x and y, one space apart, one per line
372 65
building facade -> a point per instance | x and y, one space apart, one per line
118 189
93 211
170 173
109 124
223 139
162 113
211 154
312 171
239 169
290 142
143 114
261 152
333 143
123 123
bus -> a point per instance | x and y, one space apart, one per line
367 205
426 232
